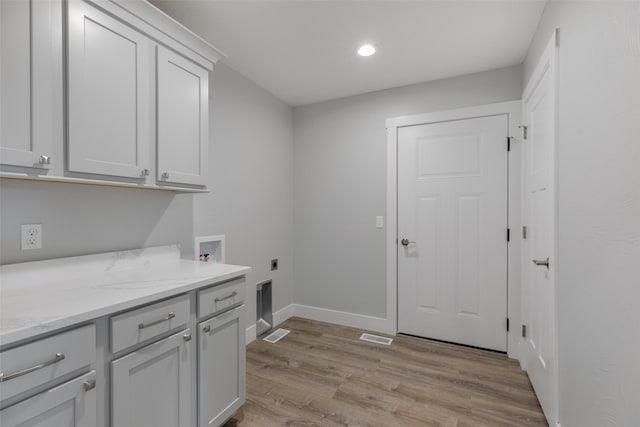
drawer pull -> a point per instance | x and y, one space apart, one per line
89 385
231 295
169 316
56 359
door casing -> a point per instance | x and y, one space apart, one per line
513 110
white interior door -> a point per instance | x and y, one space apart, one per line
452 211
539 293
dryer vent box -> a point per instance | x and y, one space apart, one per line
264 311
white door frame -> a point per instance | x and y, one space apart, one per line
513 110
548 61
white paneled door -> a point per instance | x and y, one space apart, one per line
539 260
452 231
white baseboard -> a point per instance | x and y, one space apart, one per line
250 334
282 315
360 321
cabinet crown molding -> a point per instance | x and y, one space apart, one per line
164 29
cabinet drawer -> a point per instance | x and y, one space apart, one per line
139 325
39 362
221 297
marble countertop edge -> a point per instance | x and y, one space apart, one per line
19 324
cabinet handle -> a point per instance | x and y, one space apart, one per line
44 160
169 316
541 262
56 359
231 295
165 175
89 385
145 172
187 336
206 329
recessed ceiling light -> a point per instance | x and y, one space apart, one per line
366 50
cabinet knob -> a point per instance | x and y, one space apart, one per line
206 329
145 172
187 336
165 175
44 160
88 385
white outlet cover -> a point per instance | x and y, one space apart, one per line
379 222
31 236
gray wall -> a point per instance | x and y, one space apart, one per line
251 174
250 200
84 219
599 208
340 184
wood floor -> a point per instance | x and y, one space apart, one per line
323 375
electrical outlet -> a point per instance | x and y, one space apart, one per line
31 235
274 264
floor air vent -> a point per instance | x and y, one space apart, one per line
276 336
376 339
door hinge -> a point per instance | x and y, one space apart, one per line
524 231
507 324
508 234
508 143
524 131
524 331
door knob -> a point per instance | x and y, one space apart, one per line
405 242
541 262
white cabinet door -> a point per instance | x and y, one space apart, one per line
151 387
25 83
183 95
72 404
109 103
221 367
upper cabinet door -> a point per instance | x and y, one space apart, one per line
183 95
109 104
25 83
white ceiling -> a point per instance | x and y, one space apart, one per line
304 51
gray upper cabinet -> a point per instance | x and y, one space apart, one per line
26 77
183 101
126 106
109 100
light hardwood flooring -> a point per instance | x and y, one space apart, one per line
323 375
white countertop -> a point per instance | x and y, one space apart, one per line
39 297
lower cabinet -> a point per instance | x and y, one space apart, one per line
151 387
221 367
72 404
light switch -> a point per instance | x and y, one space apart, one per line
379 222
